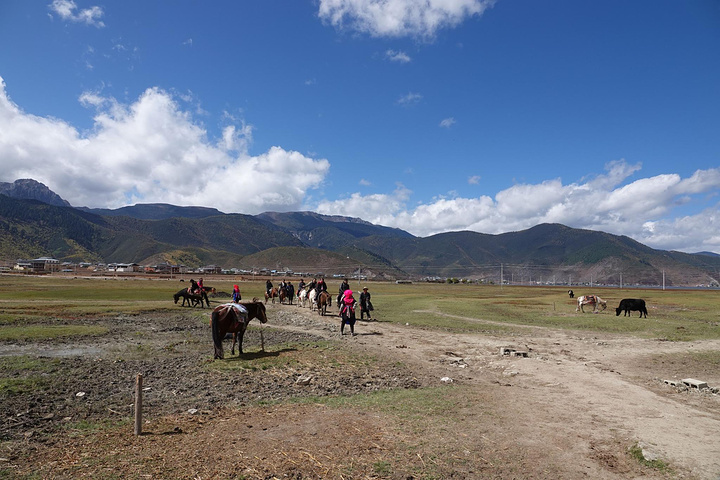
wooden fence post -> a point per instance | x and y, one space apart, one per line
138 404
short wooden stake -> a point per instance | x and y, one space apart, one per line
138 404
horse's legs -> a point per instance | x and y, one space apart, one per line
232 351
239 335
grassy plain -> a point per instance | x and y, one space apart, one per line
38 309
676 315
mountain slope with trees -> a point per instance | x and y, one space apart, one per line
197 236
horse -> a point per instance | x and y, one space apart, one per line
324 300
228 318
191 298
272 295
290 292
209 289
593 300
312 296
302 297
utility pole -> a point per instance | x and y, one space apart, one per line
663 279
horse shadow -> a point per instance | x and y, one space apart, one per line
258 355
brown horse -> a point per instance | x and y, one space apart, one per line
272 295
228 318
324 300
191 298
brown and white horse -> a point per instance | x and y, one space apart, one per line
230 318
593 300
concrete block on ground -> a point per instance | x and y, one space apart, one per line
693 383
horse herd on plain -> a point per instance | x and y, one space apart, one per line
234 318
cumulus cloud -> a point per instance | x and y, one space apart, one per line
474 180
409 99
68 10
400 56
151 151
640 209
447 122
399 18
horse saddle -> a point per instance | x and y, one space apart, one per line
240 310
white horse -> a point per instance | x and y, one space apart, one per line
311 298
302 297
593 300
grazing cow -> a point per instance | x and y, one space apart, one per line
631 305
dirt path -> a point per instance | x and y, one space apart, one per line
576 391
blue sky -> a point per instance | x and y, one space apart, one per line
430 116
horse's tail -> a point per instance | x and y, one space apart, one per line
217 335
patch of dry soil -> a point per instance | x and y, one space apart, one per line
571 409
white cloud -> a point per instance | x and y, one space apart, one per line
447 122
68 10
409 99
474 180
364 183
399 56
640 209
151 151
399 18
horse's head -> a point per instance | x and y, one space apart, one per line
261 315
176 297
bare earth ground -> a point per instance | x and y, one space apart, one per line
571 409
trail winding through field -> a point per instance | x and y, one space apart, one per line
575 394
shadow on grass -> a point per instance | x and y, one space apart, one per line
258 355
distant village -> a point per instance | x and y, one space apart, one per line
46 265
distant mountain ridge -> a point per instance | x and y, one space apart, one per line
155 211
30 189
197 236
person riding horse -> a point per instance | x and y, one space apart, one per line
268 287
343 286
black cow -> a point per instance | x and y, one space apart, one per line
631 305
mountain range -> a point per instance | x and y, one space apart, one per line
34 221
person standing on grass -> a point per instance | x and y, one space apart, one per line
366 305
236 297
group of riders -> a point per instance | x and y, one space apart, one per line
345 300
